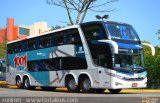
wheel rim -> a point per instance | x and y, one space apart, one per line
72 84
86 84
26 83
18 82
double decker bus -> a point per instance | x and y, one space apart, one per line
2 70
91 57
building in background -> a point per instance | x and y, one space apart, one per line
38 28
14 32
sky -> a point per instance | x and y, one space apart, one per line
143 15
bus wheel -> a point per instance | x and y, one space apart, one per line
85 85
71 85
99 90
19 84
48 88
27 84
114 91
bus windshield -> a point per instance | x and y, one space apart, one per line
129 62
122 31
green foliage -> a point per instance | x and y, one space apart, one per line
2 51
56 27
144 41
158 33
152 64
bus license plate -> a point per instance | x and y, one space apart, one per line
134 84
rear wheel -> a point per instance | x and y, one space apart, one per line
27 84
85 85
19 83
114 91
71 85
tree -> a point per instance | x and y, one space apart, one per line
158 33
56 27
81 7
3 47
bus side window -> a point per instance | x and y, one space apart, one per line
44 42
9 49
15 49
94 32
31 44
58 38
24 46
19 47
73 37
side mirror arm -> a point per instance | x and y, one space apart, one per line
113 43
151 46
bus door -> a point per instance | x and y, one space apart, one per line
104 63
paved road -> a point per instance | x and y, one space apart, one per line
82 97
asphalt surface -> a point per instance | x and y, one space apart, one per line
106 97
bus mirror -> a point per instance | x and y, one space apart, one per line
113 43
151 46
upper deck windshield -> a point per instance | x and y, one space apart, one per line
122 31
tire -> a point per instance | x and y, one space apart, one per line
27 84
48 88
19 83
99 90
85 85
114 91
71 85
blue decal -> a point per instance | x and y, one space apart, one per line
129 46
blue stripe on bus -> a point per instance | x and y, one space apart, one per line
41 77
39 54
129 46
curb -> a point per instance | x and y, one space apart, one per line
4 84
106 91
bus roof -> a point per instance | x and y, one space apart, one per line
114 22
65 28
45 33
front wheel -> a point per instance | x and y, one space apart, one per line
114 91
85 85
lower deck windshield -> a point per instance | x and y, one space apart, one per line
129 62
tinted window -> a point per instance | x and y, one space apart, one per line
31 44
9 48
43 65
94 32
24 46
71 63
66 63
58 38
44 42
122 31
73 37
100 52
